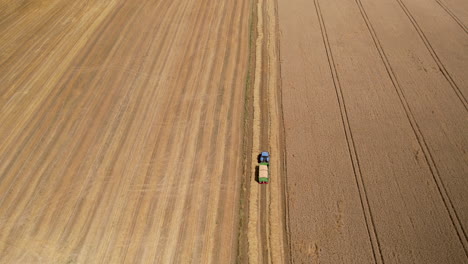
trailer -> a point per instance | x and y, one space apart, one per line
263 173
264 168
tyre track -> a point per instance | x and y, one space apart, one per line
243 243
264 137
254 244
450 13
373 237
417 132
283 153
434 55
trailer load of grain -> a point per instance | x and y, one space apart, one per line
263 176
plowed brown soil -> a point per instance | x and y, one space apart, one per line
121 130
376 127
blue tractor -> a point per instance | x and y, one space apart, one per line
264 157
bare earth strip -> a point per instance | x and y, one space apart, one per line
375 116
121 126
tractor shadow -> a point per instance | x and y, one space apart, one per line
258 158
257 174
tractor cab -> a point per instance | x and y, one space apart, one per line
264 157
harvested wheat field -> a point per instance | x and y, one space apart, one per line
121 126
130 131
375 112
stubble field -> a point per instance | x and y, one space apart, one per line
121 126
130 131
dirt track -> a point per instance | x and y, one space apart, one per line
121 130
376 126
265 237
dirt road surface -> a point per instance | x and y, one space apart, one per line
121 126
376 124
